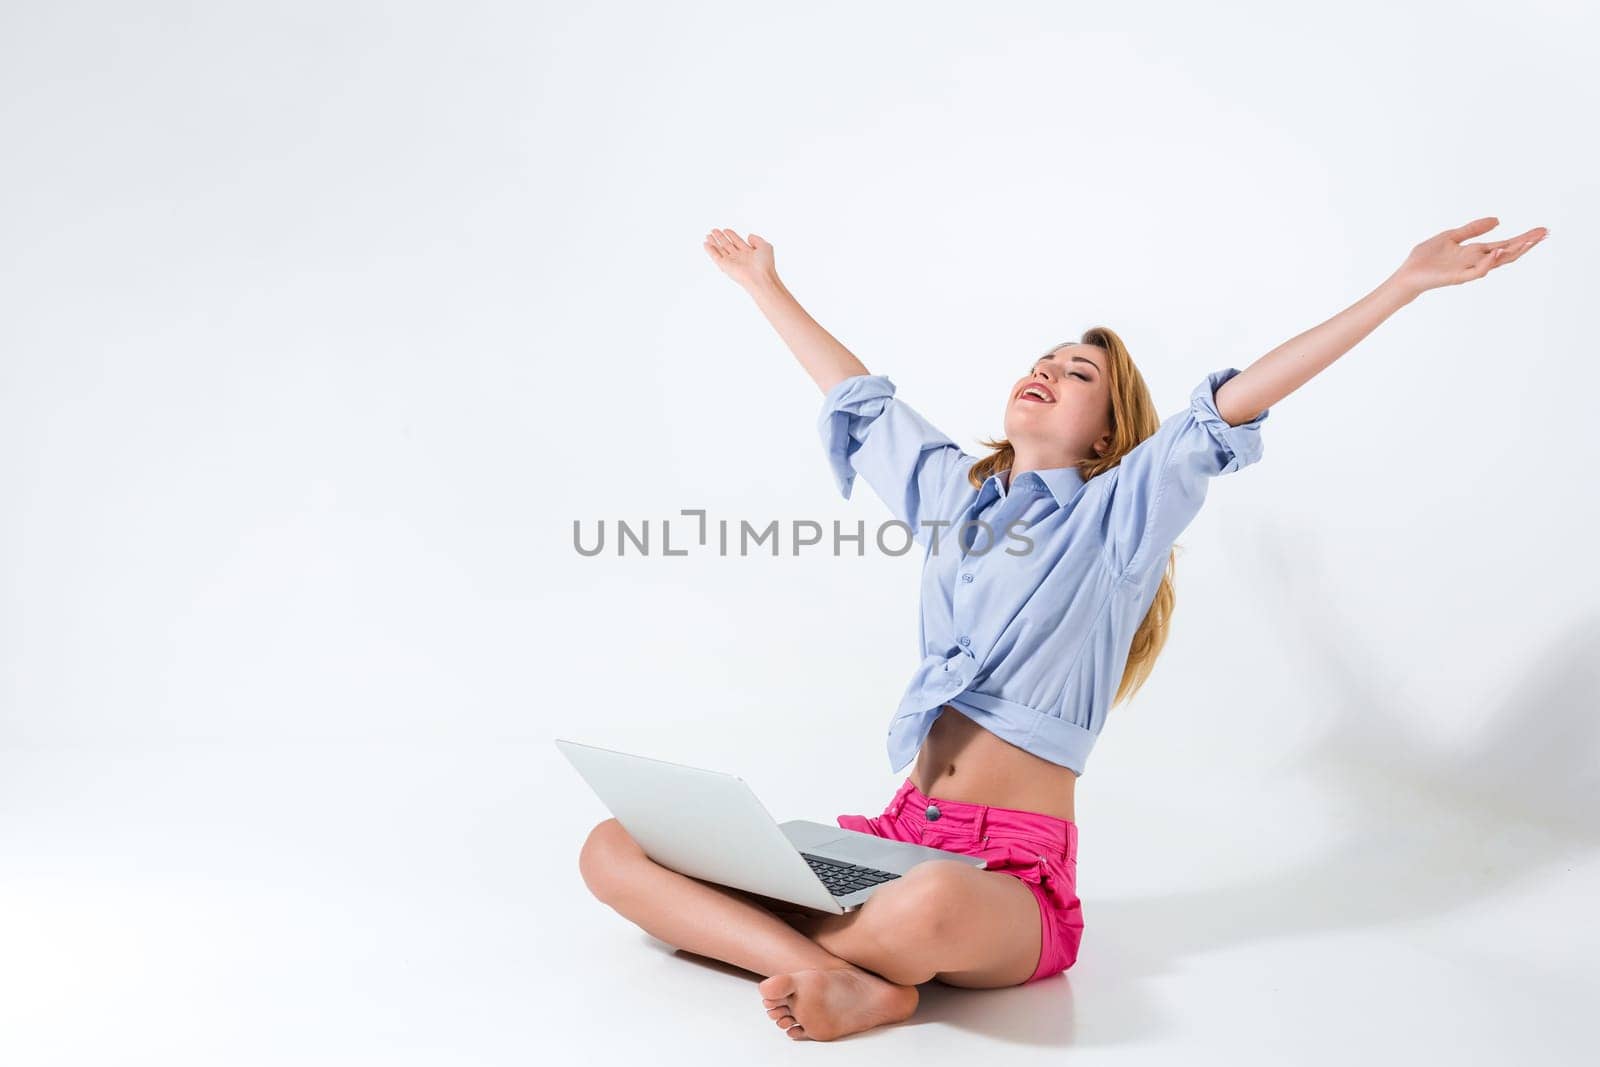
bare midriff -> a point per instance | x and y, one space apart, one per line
963 762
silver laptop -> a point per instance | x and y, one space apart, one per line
710 826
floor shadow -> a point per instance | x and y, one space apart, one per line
1430 828
1039 1014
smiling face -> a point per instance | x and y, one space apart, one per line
1060 412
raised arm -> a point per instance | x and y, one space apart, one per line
1159 486
750 264
1439 261
866 430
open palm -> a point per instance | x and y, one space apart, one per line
1443 260
745 261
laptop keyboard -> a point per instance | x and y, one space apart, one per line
842 879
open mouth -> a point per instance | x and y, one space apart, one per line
1037 394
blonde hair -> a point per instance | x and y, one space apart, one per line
1133 419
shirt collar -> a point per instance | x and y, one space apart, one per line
1062 482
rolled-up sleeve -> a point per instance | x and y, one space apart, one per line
1159 486
908 462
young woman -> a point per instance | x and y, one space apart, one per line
1046 596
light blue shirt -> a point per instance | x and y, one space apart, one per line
1029 642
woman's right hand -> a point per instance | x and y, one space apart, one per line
750 264
746 262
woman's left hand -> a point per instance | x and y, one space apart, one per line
1443 260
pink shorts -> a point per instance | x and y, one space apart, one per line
1040 850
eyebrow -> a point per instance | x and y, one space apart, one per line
1078 359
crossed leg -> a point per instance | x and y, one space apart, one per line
832 975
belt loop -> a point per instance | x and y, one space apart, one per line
980 830
899 799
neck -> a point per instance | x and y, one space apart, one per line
1025 460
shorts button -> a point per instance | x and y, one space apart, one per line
932 813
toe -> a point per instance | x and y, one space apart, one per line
778 987
798 1033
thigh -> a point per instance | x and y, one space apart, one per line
996 933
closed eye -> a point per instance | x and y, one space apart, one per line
1074 374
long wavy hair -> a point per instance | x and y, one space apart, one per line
1133 418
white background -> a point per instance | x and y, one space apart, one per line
323 323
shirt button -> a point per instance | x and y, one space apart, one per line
966 577
965 640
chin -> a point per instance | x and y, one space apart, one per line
1021 422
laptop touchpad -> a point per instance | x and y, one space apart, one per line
853 849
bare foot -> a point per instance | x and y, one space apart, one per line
823 1005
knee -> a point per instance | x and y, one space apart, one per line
603 860
919 907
